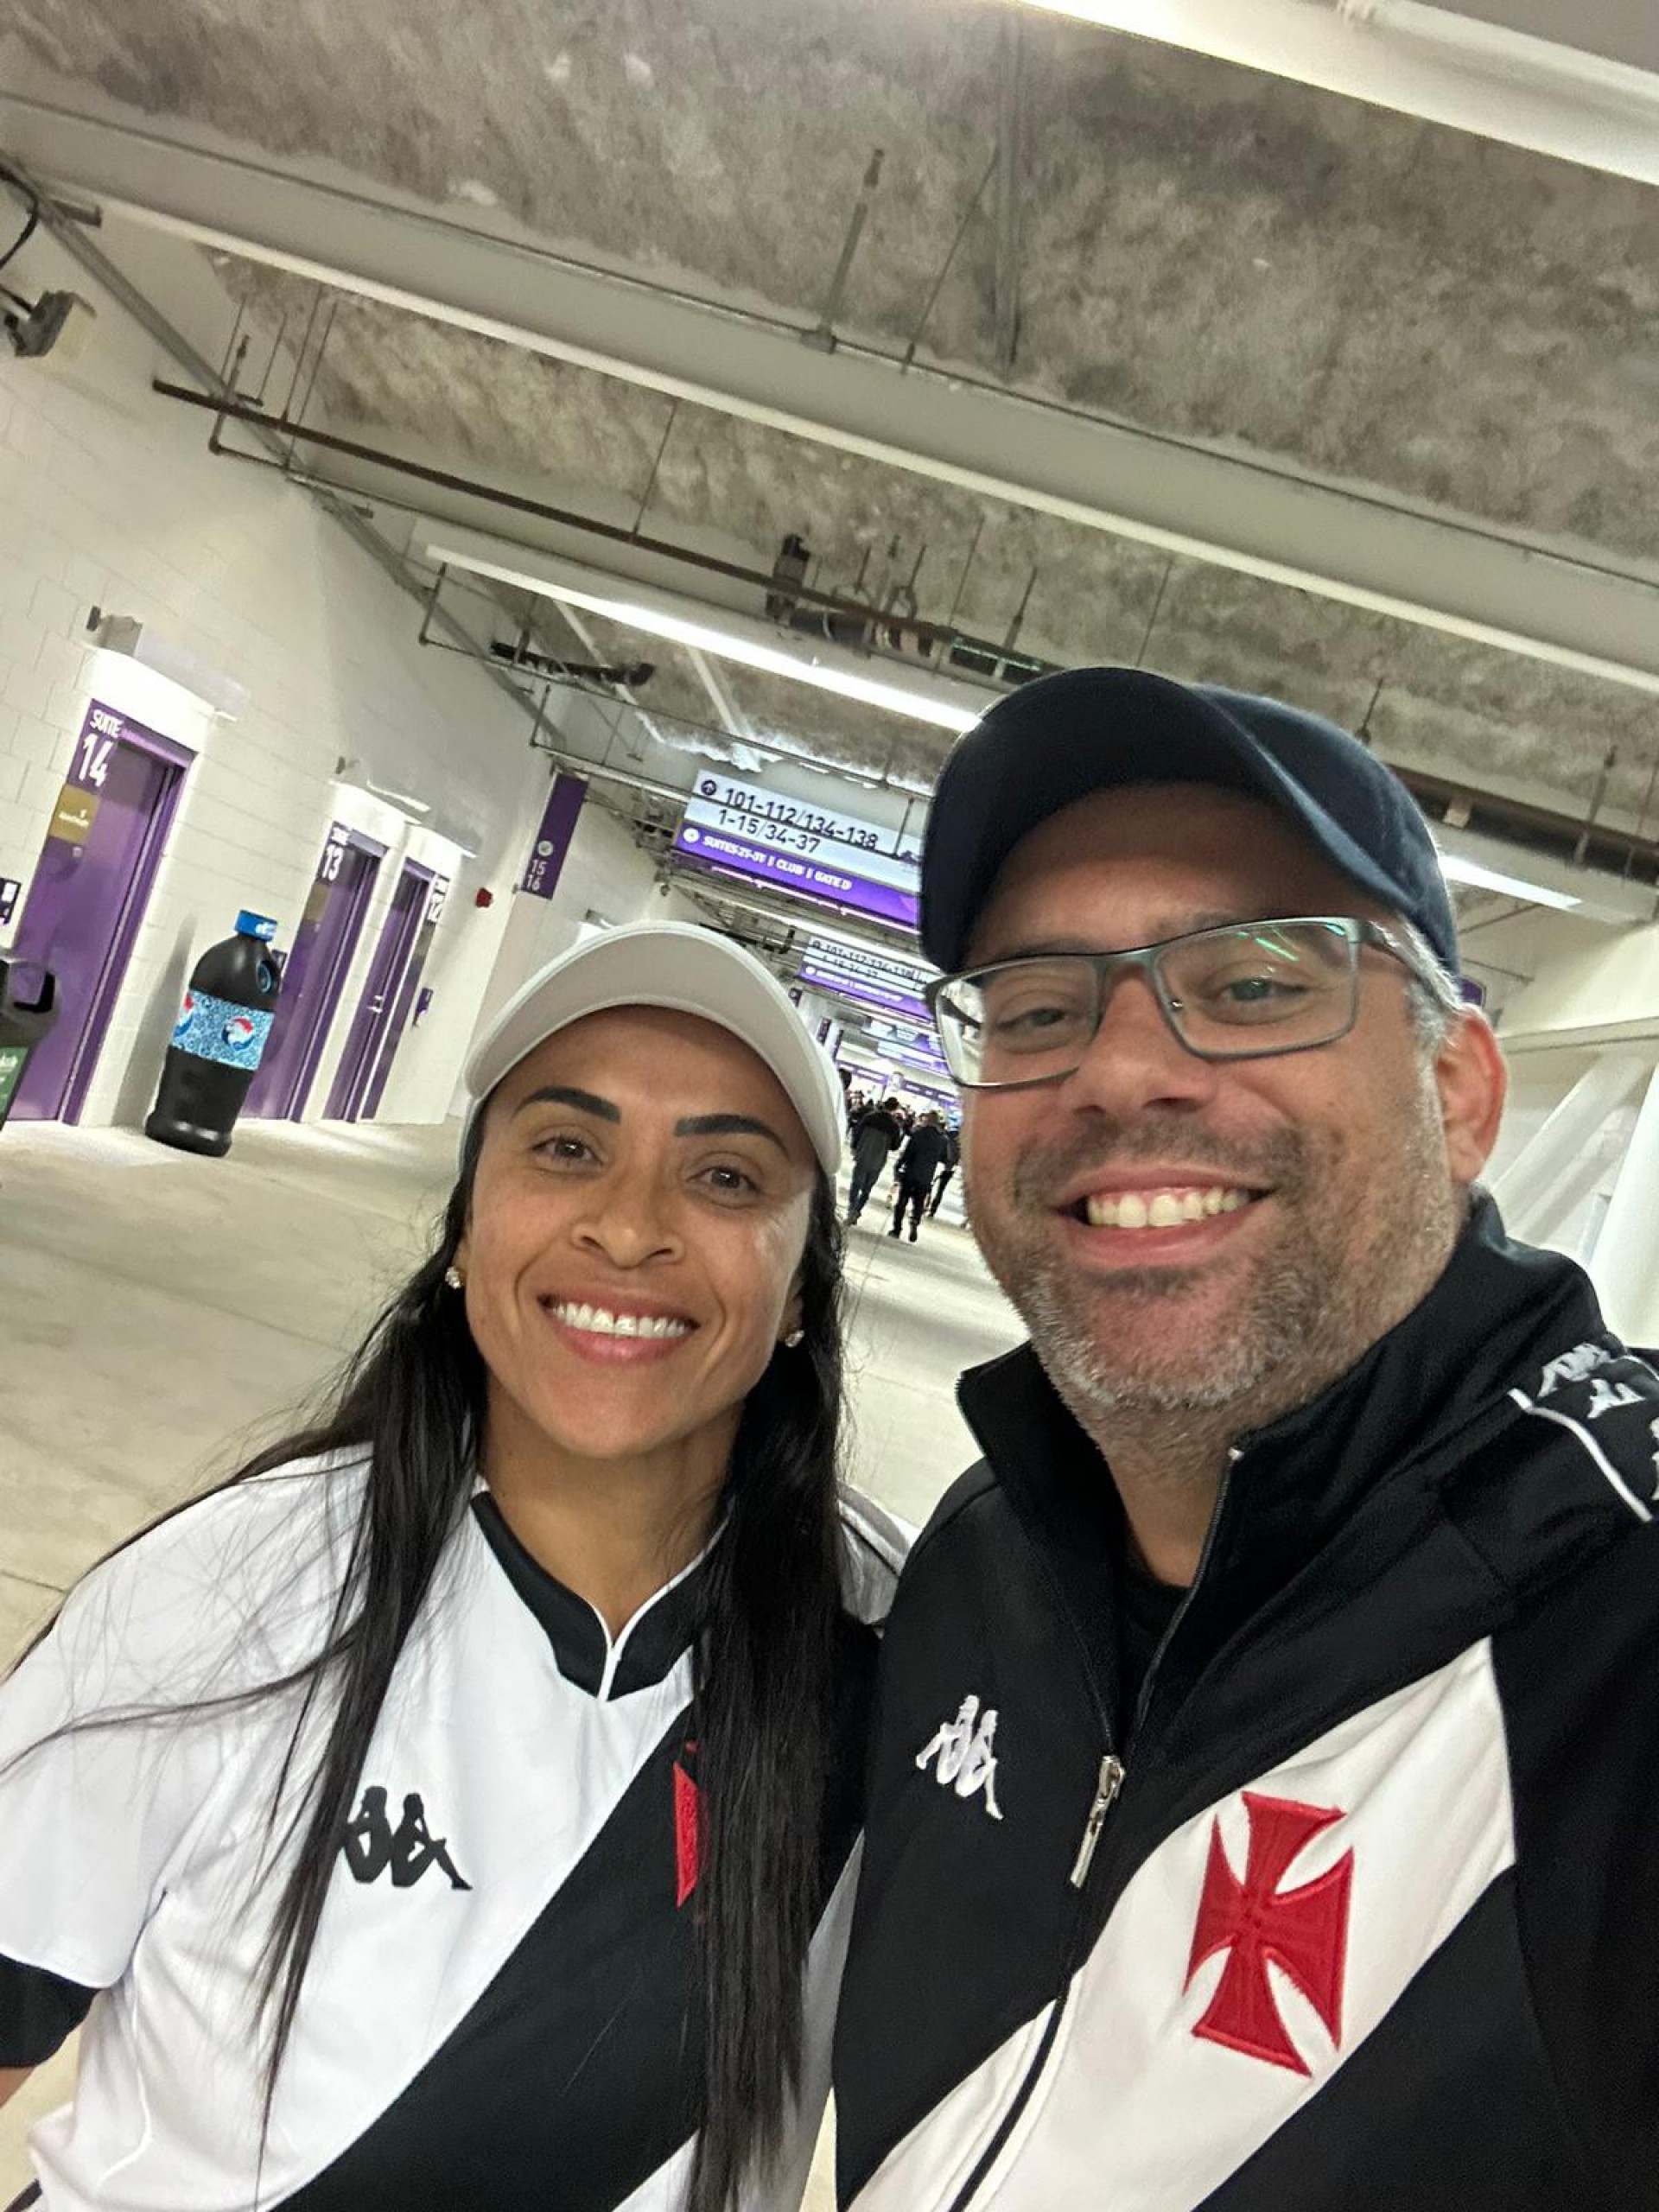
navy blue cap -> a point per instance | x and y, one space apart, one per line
1088 729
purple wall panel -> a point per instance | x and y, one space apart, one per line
377 1003
318 963
92 884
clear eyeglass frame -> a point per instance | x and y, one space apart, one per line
955 1027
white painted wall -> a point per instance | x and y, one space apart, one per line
109 496
606 878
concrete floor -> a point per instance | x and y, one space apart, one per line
159 1315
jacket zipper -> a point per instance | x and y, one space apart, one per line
1108 1784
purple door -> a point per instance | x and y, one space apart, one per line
405 1000
367 1040
315 974
96 869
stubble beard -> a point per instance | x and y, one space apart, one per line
1304 1313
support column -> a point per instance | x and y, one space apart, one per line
1624 1266
1547 1178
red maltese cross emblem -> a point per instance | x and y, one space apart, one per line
689 1824
1303 1931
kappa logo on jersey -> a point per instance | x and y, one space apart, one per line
966 1762
372 1846
1304 1932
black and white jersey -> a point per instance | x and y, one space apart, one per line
1352 1904
496 2013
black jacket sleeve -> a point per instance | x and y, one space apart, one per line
1586 1765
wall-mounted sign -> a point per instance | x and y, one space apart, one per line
334 852
818 852
101 731
73 816
558 826
10 892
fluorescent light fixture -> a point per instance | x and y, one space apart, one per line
353 773
660 616
1456 869
696 637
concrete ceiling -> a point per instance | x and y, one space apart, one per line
1203 252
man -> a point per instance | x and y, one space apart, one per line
876 1135
1301 1617
952 1156
917 1164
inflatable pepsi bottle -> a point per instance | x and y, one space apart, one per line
219 1041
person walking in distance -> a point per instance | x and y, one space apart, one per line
942 1181
1312 1568
876 1136
917 1164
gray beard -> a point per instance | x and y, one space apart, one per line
1309 1311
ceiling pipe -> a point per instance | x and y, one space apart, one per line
235 409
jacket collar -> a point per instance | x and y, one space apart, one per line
1431 1391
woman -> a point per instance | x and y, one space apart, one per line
457 1809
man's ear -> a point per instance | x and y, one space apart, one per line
1473 1082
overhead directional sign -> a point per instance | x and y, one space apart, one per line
888 986
816 851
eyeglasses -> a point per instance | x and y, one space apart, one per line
1234 994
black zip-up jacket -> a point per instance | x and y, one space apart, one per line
1359 1907
925 1154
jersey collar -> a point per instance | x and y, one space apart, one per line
587 1654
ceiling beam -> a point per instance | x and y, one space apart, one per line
1483 77
1243 512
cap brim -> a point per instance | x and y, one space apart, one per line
995 793
685 970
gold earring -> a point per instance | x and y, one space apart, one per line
454 1278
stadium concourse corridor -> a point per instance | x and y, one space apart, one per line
160 1314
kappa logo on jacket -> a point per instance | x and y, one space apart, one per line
1594 1391
962 1747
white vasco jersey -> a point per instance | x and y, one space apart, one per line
496 2010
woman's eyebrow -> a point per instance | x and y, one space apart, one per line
726 1125
584 1101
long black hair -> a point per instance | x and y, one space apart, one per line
411 1401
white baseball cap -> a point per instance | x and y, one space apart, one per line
692 970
